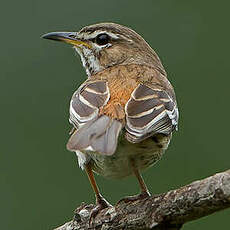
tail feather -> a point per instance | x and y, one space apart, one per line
100 135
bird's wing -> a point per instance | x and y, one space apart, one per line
86 101
150 110
94 132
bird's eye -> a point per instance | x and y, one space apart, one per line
102 39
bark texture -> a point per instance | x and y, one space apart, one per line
167 211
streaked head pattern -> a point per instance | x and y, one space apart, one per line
107 44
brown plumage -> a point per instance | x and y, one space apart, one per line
125 112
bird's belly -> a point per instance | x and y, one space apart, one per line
141 155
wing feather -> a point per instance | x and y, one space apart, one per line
150 110
94 132
86 101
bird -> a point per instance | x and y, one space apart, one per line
124 114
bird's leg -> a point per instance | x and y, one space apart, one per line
144 190
101 203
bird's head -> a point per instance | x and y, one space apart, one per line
103 45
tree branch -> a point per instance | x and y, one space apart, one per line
160 212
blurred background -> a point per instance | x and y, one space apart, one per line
40 182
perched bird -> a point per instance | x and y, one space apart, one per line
125 112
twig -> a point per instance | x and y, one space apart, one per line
167 211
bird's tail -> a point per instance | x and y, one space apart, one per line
99 136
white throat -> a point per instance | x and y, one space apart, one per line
89 60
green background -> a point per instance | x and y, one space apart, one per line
40 182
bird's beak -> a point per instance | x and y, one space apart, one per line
67 37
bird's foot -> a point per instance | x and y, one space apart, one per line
140 196
100 205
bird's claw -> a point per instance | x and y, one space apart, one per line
140 196
101 204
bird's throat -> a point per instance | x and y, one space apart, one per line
89 60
